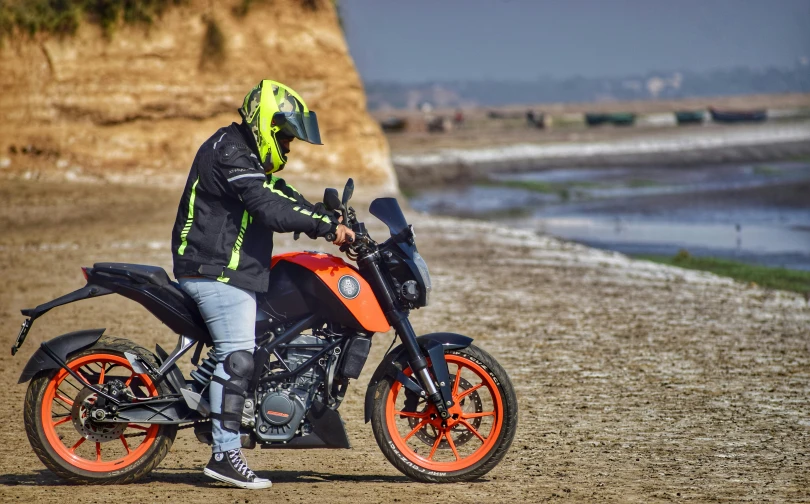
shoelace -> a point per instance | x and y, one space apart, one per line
239 464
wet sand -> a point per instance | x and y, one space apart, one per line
636 382
419 165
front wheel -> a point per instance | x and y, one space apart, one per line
470 443
80 449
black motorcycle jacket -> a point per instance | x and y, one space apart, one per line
230 209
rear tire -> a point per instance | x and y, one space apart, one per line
484 421
53 418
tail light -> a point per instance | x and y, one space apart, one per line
84 272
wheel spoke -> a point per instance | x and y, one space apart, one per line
457 380
468 392
413 414
64 399
126 446
416 429
80 375
78 443
62 405
449 436
98 452
129 380
471 429
101 376
65 380
478 415
136 426
435 446
60 422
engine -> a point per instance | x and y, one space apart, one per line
281 409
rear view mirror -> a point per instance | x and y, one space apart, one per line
348 191
331 199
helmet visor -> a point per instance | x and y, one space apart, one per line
298 120
301 125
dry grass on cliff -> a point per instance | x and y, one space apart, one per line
64 18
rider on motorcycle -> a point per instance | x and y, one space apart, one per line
222 242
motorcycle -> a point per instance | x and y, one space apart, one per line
100 409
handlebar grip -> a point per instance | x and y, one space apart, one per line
330 237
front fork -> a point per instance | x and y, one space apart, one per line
438 392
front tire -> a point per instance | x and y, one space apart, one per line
72 445
470 444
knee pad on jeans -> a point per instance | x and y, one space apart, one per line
239 367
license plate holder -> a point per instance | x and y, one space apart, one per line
26 326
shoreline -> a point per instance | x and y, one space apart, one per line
672 148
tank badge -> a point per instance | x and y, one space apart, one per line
348 286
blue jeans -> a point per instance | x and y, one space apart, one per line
230 314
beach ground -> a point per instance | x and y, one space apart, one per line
636 382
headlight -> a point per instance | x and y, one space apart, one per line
421 265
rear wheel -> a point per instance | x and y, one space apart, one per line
472 441
75 446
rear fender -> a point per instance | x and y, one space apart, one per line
397 360
61 346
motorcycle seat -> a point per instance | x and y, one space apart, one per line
143 273
182 316
150 274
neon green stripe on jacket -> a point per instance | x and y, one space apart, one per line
189 220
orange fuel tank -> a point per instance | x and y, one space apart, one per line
331 270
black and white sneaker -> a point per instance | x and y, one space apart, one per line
230 467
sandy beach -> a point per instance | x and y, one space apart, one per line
636 382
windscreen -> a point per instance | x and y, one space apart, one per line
388 211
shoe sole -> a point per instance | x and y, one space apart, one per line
240 484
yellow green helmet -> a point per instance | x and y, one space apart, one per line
271 109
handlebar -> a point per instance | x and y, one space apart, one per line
330 237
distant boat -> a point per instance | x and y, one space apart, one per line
622 119
535 120
689 116
393 124
618 119
734 116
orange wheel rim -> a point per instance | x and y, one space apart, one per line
440 448
74 447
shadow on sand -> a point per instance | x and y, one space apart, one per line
195 477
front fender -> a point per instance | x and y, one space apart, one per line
62 346
397 359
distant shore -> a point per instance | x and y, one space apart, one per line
683 146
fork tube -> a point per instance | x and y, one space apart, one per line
416 357
398 319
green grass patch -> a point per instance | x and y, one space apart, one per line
774 278
213 47
542 187
638 183
63 17
765 170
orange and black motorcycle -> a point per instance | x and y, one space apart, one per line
105 410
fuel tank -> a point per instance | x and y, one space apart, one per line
303 283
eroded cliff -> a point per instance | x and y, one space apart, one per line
139 103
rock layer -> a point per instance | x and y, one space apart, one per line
143 100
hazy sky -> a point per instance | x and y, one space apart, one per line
417 40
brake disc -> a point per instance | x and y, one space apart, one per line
470 404
93 430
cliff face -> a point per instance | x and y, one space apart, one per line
143 101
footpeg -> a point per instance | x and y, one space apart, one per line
196 402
